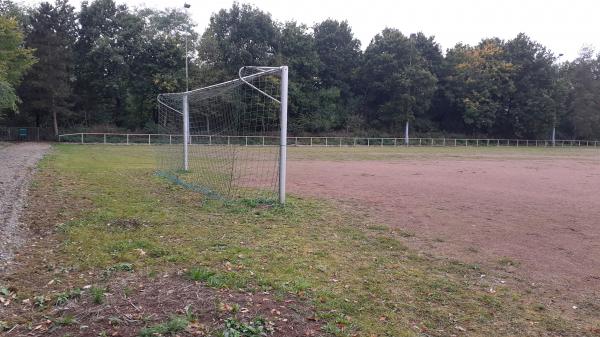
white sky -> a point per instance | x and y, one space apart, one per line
564 26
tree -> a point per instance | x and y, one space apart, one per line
15 60
481 83
583 102
47 88
240 36
531 107
296 49
107 36
397 83
339 53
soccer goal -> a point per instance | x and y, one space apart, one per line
228 140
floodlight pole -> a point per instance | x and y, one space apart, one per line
554 116
187 81
283 134
186 130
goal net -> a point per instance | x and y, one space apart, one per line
227 140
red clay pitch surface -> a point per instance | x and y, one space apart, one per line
540 214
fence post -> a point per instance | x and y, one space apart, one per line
127 139
420 143
263 140
246 140
395 141
105 138
311 141
368 142
354 141
296 141
149 139
382 142
326 142
340 141
170 139
82 138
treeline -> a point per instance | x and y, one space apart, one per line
104 66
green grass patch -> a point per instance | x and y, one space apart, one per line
170 328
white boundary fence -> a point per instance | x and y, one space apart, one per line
156 139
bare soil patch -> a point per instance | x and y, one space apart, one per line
537 219
130 303
17 162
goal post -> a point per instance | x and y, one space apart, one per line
228 140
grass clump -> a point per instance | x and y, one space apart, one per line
98 295
200 274
171 327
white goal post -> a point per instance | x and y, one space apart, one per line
216 129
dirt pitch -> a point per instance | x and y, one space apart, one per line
534 214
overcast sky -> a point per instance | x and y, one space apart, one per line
564 26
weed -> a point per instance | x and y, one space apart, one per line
4 291
200 274
172 326
40 301
97 295
122 267
235 328
66 320
61 299
127 292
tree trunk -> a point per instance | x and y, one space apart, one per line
55 123
54 118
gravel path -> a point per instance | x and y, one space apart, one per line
17 163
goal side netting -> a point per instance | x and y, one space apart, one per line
227 140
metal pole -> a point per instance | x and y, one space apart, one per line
82 138
187 81
406 133
283 136
186 130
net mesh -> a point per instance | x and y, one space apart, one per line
234 136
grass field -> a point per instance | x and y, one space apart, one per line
104 220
